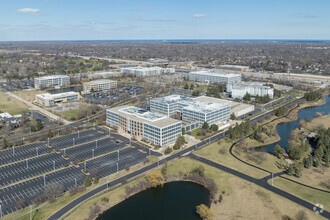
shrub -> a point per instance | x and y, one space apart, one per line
203 211
87 182
200 170
168 150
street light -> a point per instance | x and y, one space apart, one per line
37 151
118 155
93 152
27 163
13 150
54 164
44 180
75 182
73 142
117 167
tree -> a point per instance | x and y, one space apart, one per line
278 151
203 211
53 190
301 215
191 86
87 181
21 203
164 169
96 180
200 170
39 125
317 161
319 153
233 116
214 127
92 90
205 125
196 93
155 178
186 86
183 131
291 170
247 97
308 161
168 150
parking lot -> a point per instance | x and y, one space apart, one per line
95 151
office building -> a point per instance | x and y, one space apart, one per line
153 127
235 67
191 109
147 71
51 81
239 90
214 77
99 85
47 99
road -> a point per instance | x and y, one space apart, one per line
34 107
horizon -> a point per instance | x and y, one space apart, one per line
83 20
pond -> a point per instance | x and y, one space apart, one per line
175 201
284 129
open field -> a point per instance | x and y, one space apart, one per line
310 195
212 152
29 95
11 105
315 177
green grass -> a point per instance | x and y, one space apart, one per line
195 131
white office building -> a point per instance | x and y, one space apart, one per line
51 81
48 99
214 77
153 127
239 90
191 109
99 85
147 71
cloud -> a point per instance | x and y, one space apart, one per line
301 15
33 11
200 15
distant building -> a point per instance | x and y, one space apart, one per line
214 77
238 90
235 67
47 99
147 71
191 109
51 81
153 127
99 85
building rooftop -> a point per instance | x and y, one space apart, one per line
213 73
58 95
51 77
99 81
248 84
142 115
191 103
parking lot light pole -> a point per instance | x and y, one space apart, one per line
13 150
27 163
117 167
0 211
48 141
64 152
118 155
73 142
54 164
78 133
93 152
75 182
109 132
85 165
44 180
37 151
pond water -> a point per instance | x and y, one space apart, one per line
174 201
284 129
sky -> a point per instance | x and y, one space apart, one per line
32 20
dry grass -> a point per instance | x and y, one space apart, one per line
11 105
211 152
320 122
28 95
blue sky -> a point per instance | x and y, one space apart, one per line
172 19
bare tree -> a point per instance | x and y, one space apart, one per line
53 190
21 203
94 172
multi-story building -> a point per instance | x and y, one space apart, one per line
99 85
47 99
154 127
147 71
239 90
51 81
191 109
235 67
214 77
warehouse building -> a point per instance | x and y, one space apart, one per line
147 71
47 99
51 81
239 90
191 109
214 77
153 127
99 85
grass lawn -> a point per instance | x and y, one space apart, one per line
310 195
211 152
315 177
28 95
11 105
320 122
195 131
70 114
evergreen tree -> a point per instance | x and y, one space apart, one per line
308 161
87 181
